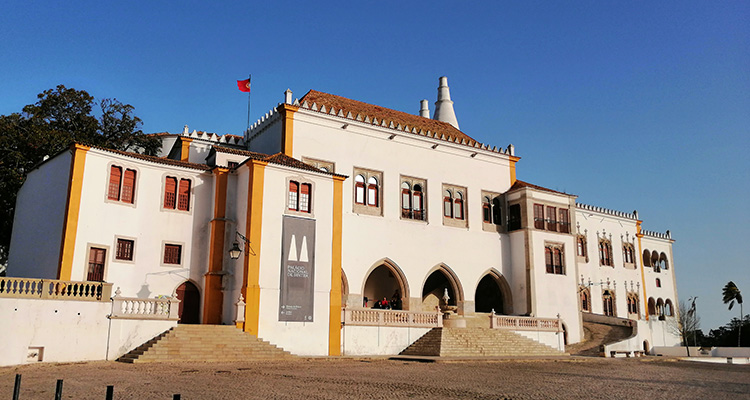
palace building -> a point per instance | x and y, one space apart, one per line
298 231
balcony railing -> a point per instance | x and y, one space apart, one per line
394 318
30 288
525 323
412 214
135 308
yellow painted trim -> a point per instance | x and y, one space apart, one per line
185 150
512 172
643 275
214 297
334 327
287 128
72 211
253 224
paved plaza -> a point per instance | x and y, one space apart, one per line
345 378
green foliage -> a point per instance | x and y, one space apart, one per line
730 294
728 335
60 117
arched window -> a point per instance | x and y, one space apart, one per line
300 197
605 252
663 261
372 192
459 206
304 197
448 204
359 189
585 296
486 210
668 308
646 258
497 211
658 282
660 307
632 303
609 302
417 204
548 260
557 260
554 258
405 200
581 245
655 261
293 196
627 253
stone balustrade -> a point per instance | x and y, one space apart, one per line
135 308
516 323
51 289
393 318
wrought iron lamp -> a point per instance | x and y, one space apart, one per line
234 252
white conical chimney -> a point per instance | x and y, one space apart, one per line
444 106
424 111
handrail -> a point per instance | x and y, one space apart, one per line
395 318
52 289
166 309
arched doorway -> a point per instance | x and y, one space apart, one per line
190 303
344 289
433 290
385 281
493 293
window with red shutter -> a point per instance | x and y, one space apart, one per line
548 260
115 177
359 189
448 204
124 249
372 192
183 199
459 203
486 210
417 203
97 258
170 192
304 198
128 186
293 195
172 254
405 200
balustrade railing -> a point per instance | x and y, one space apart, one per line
395 318
31 288
525 323
136 308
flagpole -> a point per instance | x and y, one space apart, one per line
248 103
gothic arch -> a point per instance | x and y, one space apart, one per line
395 271
344 288
457 297
505 292
189 294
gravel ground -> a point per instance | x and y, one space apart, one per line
347 378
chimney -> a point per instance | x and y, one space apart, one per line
185 130
444 106
288 96
425 110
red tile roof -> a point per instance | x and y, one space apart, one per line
278 158
521 184
382 113
154 159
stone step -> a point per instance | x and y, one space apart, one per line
204 343
477 342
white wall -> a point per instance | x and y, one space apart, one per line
377 340
39 218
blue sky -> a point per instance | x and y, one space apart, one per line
629 105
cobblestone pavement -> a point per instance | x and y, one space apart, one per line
345 378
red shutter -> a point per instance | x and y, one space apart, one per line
293 194
128 186
183 202
96 265
304 199
170 192
115 174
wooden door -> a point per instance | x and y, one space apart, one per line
190 303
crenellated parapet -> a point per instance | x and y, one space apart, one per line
621 214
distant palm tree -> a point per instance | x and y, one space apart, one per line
732 294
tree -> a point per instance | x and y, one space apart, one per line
730 294
687 322
60 117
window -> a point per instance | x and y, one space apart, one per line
554 258
325 166
632 304
668 308
448 204
367 192
177 193
651 306
608 298
359 190
581 246
658 282
663 263
655 264
585 296
232 164
538 216
459 206
97 257
172 254
628 254
412 198
124 249
552 219
564 223
491 211
299 197
605 252
121 185
514 217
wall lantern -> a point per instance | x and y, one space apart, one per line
234 252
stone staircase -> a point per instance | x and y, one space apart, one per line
204 343
595 335
477 342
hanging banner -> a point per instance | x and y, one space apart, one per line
297 284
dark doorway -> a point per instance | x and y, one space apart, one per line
488 296
190 303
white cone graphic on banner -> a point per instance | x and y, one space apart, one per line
303 256
293 249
